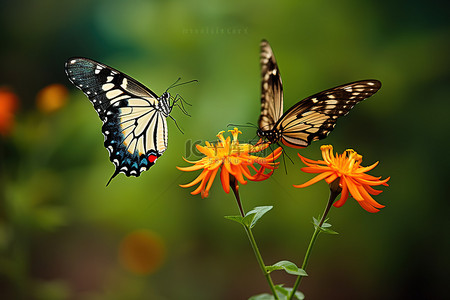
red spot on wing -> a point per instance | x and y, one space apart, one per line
152 158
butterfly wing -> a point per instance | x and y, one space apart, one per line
271 89
134 127
314 118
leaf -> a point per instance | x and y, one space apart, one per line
287 266
238 219
281 290
262 297
324 227
255 214
315 222
298 295
282 293
329 231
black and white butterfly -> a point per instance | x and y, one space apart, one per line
312 118
133 116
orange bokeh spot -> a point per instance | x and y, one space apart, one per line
8 106
52 98
142 252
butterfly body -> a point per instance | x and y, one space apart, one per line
310 119
134 117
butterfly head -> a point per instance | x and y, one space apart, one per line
273 136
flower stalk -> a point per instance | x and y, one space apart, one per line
333 195
251 238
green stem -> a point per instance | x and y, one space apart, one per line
261 261
234 187
332 197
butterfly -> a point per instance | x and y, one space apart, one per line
310 119
133 116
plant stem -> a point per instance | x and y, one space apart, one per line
234 187
331 198
261 261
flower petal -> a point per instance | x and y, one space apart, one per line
368 198
316 169
314 180
368 207
310 162
366 169
201 186
344 195
196 180
211 180
191 168
353 189
225 179
331 178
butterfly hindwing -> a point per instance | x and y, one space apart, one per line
271 88
134 118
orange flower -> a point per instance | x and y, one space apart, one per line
233 159
352 176
8 106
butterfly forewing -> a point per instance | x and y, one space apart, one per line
314 118
271 89
134 126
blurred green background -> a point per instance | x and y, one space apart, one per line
62 233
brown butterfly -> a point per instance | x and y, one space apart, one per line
310 119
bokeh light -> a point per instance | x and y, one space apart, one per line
142 252
9 103
52 98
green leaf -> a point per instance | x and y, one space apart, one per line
262 297
284 293
298 295
254 215
287 266
329 231
238 219
281 291
315 222
324 227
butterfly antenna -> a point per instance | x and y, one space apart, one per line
116 172
176 124
247 125
175 84
186 82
